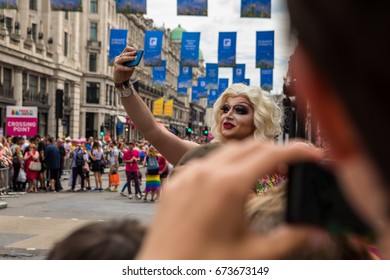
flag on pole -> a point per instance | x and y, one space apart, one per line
227 49
118 41
239 73
192 8
158 106
256 8
212 75
202 90
8 4
265 49
168 108
131 6
68 5
266 79
159 74
194 94
153 47
189 55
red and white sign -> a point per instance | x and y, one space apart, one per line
21 121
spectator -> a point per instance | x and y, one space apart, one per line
53 164
131 158
106 240
78 162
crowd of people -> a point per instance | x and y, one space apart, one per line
209 208
36 164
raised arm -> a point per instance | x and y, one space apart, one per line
172 147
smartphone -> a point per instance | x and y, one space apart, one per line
315 198
137 59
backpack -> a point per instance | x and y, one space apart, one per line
152 164
79 158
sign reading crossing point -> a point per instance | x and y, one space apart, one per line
21 121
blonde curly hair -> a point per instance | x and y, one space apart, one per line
267 114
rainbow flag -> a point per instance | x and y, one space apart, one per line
153 183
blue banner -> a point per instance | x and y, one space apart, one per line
239 73
247 82
189 55
195 97
211 75
159 74
212 97
153 47
266 79
192 7
119 128
131 6
182 91
68 5
256 8
184 80
227 49
118 41
202 90
222 85
8 4
265 49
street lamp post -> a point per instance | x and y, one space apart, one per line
112 124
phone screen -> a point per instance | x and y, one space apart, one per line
136 61
314 198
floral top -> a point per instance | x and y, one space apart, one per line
269 182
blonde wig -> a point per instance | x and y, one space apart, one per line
267 114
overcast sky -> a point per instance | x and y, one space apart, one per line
224 15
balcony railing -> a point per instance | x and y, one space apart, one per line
94 44
66 101
36 97
6 91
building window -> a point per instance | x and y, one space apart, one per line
42 120
43 86
90 125
9 24
66 15
7 83
66 94
7 77
33 5
65 44
94 7
107 94
93 31
92 62
93 92
24 82
33 87
34 31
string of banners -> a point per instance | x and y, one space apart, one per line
249 8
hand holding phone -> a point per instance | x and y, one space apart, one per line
315 198
136 61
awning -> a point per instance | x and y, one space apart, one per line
122 119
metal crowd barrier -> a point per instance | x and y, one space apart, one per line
4 181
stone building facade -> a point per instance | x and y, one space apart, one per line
44 51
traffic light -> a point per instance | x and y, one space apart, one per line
101 131
188 131
205 130
59 103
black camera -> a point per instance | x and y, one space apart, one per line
315 198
